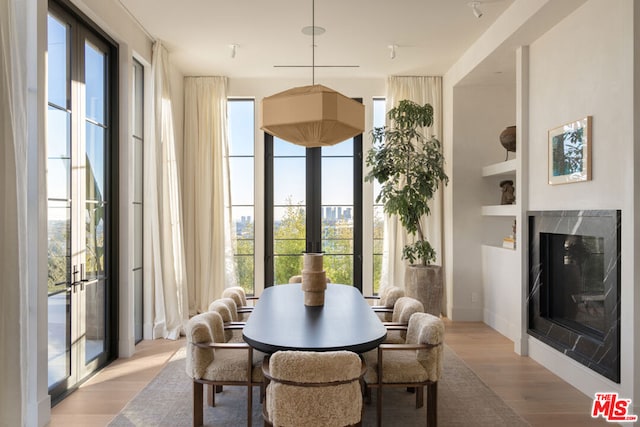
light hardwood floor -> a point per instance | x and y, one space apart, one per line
539 396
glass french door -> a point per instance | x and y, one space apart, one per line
313 199
79 134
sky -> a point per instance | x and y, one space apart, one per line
289 164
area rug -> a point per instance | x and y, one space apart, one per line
463 400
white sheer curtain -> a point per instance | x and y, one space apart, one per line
13 216
164 251
210 266
422 90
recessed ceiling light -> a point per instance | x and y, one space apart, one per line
313 30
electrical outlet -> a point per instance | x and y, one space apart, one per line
474 297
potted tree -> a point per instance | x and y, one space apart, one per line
410 167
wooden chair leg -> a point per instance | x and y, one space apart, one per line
249 404
379 406
419 396
211 395
198 407
432 405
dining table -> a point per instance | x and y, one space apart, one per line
281 321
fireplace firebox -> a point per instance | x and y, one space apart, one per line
574 285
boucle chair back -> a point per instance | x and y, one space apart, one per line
389 296
234 294
223 310
404 308
202 328
241 292
232 306
425 328
312 389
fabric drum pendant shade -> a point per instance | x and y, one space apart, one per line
312 116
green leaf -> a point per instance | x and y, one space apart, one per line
409 167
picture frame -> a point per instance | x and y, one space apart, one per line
570 152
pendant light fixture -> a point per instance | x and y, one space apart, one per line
312 116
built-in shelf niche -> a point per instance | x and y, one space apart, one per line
505 169
495 173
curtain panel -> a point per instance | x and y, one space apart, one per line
13 216
422 90
164 251
208 249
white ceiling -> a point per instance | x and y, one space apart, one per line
430 35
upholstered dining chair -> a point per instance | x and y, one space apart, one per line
415 363
233 328
306 388
237 294
244 297
232 306
386 299
402 312
213 361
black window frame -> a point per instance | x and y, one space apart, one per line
313 243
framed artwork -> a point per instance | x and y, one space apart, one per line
570 152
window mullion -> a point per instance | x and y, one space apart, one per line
314 199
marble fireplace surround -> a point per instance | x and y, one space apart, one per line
599 351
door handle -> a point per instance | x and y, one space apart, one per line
83 279
74 282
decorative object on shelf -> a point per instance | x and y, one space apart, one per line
570 152
508 198
312 116
314 279
509 242
409 167
508 139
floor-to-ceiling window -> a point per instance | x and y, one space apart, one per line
81 67
241 113
378 208
313 204
138 146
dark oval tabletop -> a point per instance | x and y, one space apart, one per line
281 321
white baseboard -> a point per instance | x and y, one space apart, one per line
44 411
126 347
466 314
500 324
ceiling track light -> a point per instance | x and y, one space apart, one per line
392 50
475 7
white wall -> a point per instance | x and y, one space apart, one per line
581 63
480 114
523 22
584 66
